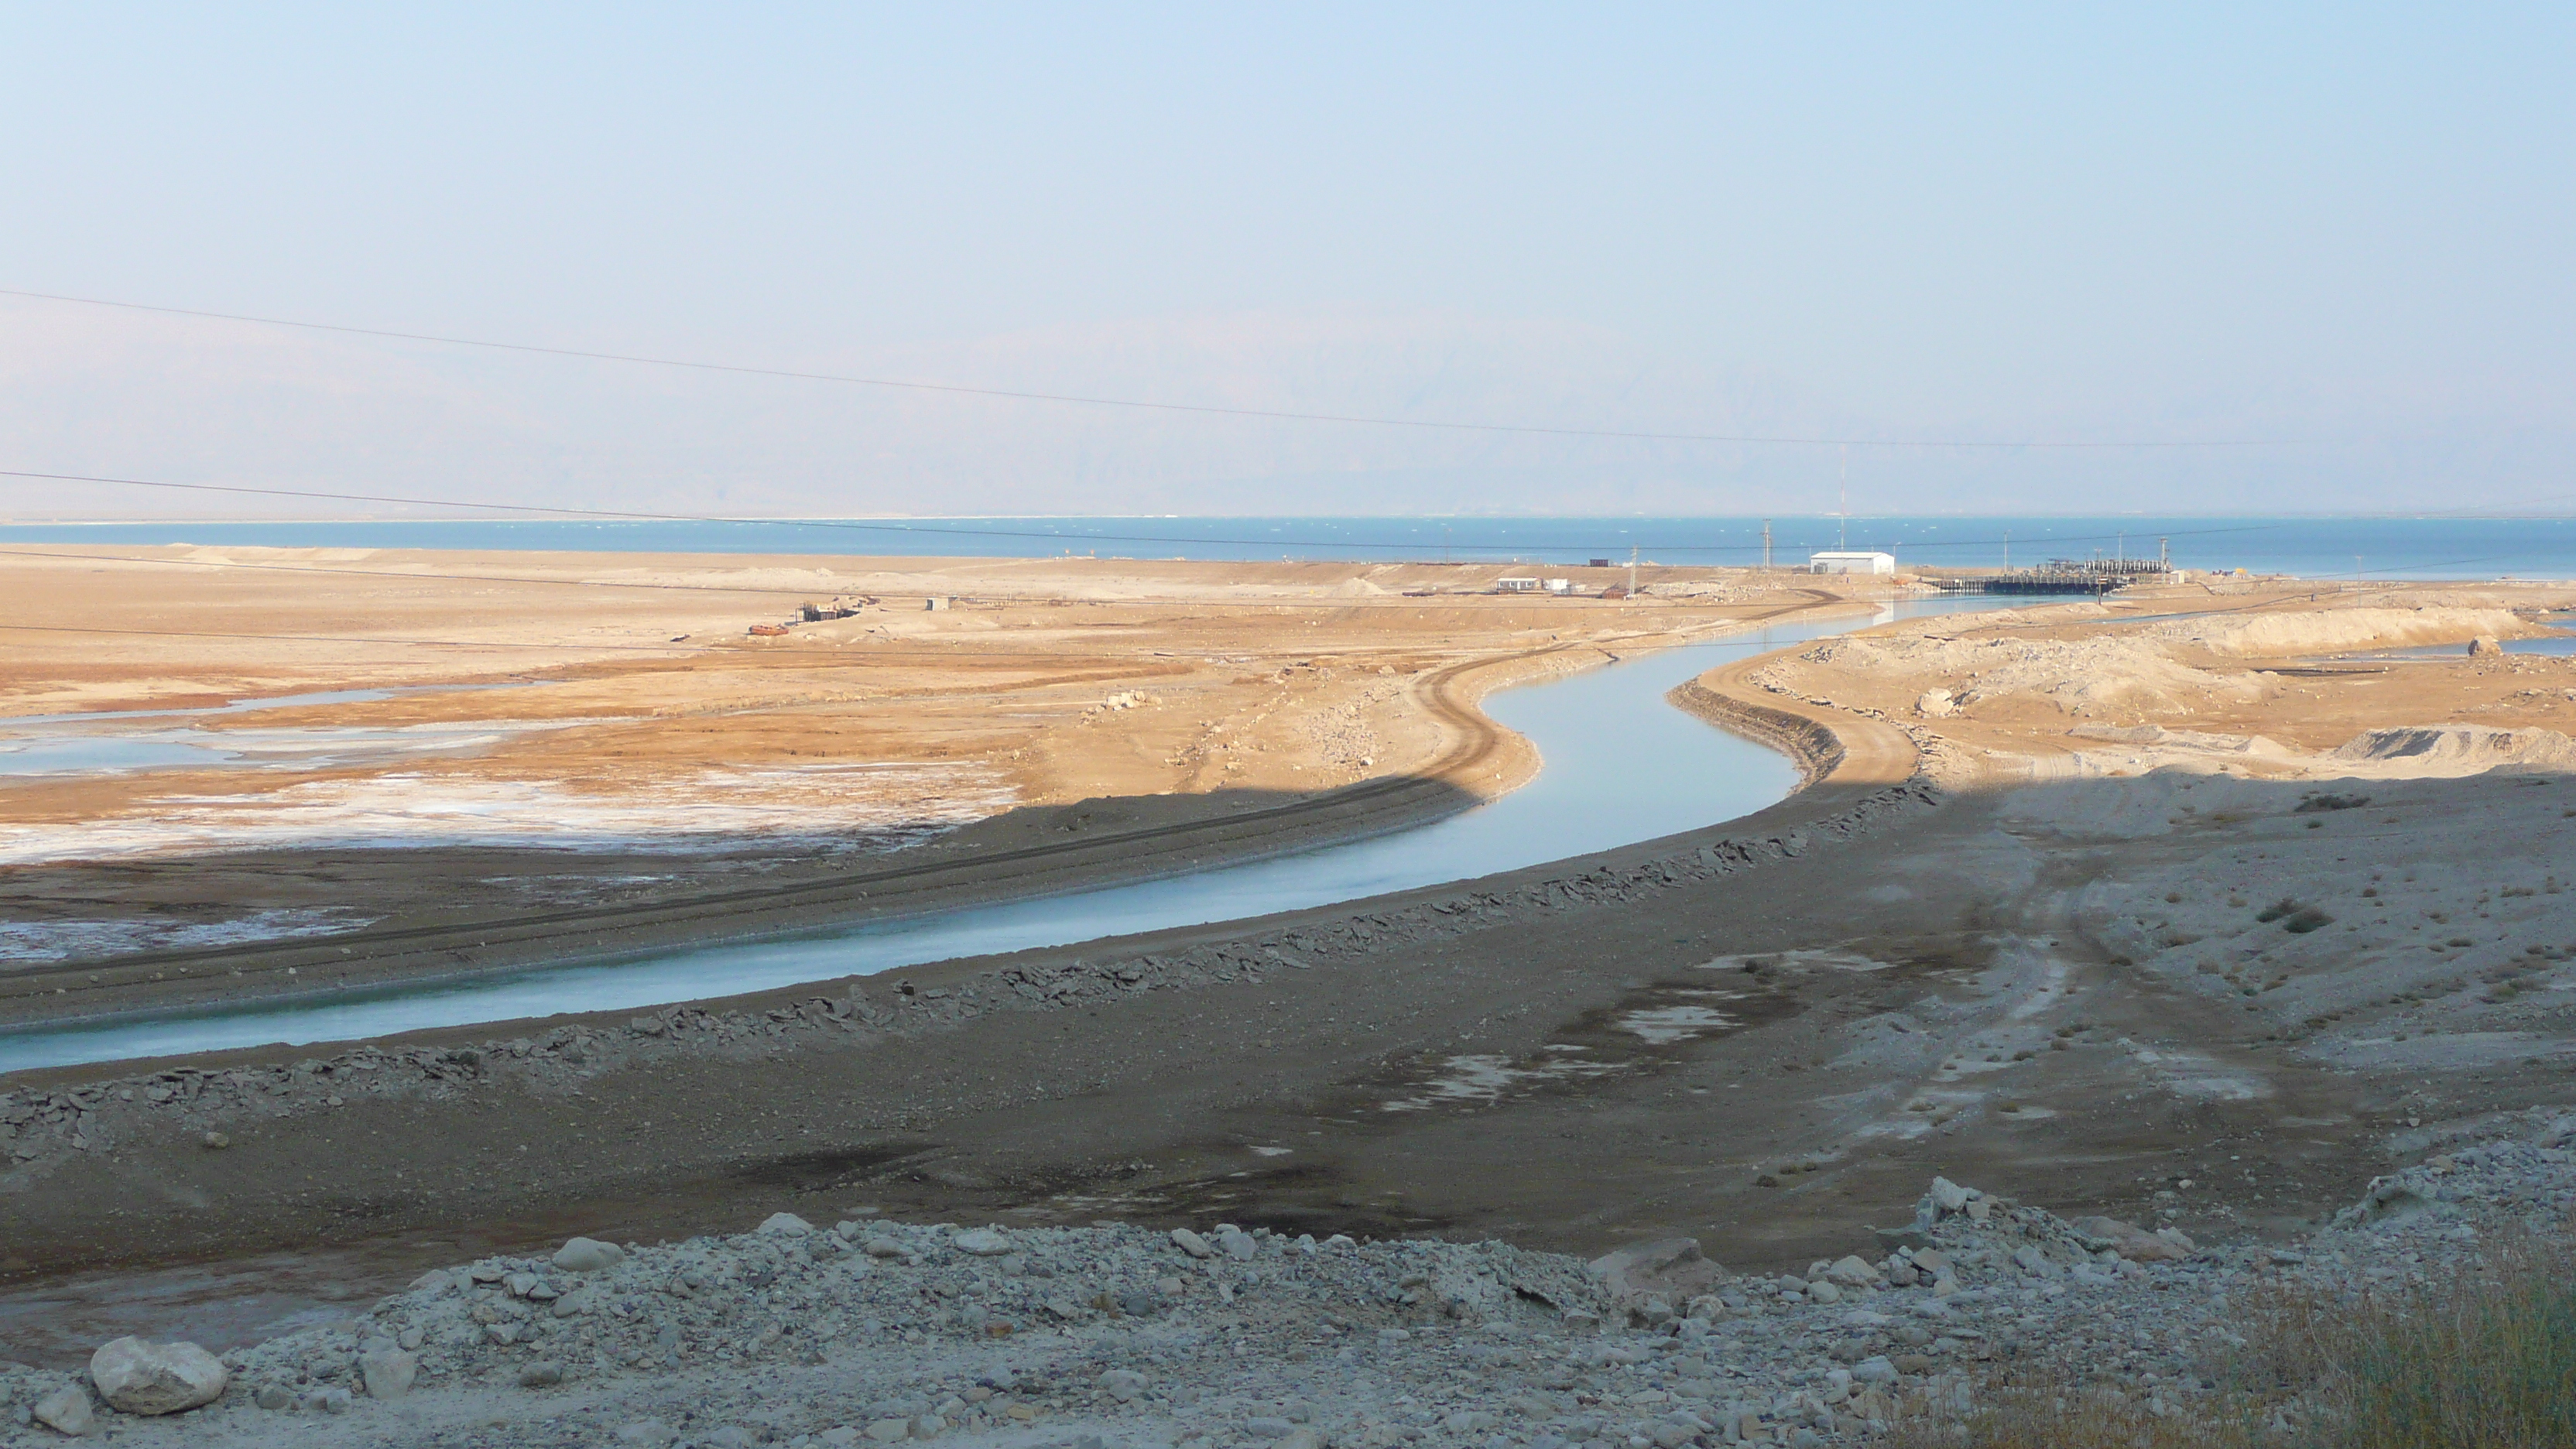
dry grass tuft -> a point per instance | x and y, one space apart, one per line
2028 1414
2483 1357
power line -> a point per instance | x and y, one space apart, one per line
856 525
1335 603
202 563
324 638
862 656
1085 400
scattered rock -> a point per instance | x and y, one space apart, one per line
1124 1385
982 1242
1671 1267
2131 1241
333 1400
1192 1244
67 1411
388 1375
588 1255
785 1223
1852 1272
138 1376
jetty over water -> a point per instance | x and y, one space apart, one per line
2059 576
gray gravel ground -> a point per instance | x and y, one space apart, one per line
869 1331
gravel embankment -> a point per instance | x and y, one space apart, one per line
870 1332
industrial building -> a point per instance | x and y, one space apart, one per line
1840 561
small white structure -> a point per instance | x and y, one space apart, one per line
1838 561
1516 586
1560 586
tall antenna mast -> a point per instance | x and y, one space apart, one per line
1766 545
1632 573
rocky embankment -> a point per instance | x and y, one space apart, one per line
875 1332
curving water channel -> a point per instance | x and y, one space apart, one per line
1619 765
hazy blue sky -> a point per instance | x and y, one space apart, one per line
2345 227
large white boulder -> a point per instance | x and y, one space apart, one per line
588 1255
142 1377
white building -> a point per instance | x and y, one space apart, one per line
1516 586
1837 561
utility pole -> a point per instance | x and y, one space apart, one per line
1766 545
1632 573
1842 505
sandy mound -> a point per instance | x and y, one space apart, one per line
2121 806
2200 741
1692 589
2452 749
2079 676
1357 589
2329 631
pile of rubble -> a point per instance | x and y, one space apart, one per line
871 1331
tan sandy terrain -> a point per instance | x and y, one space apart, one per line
2092 948
570 733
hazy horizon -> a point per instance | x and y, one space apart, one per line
2336 234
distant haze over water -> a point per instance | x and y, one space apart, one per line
2436 548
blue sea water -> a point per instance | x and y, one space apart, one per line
2325 548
